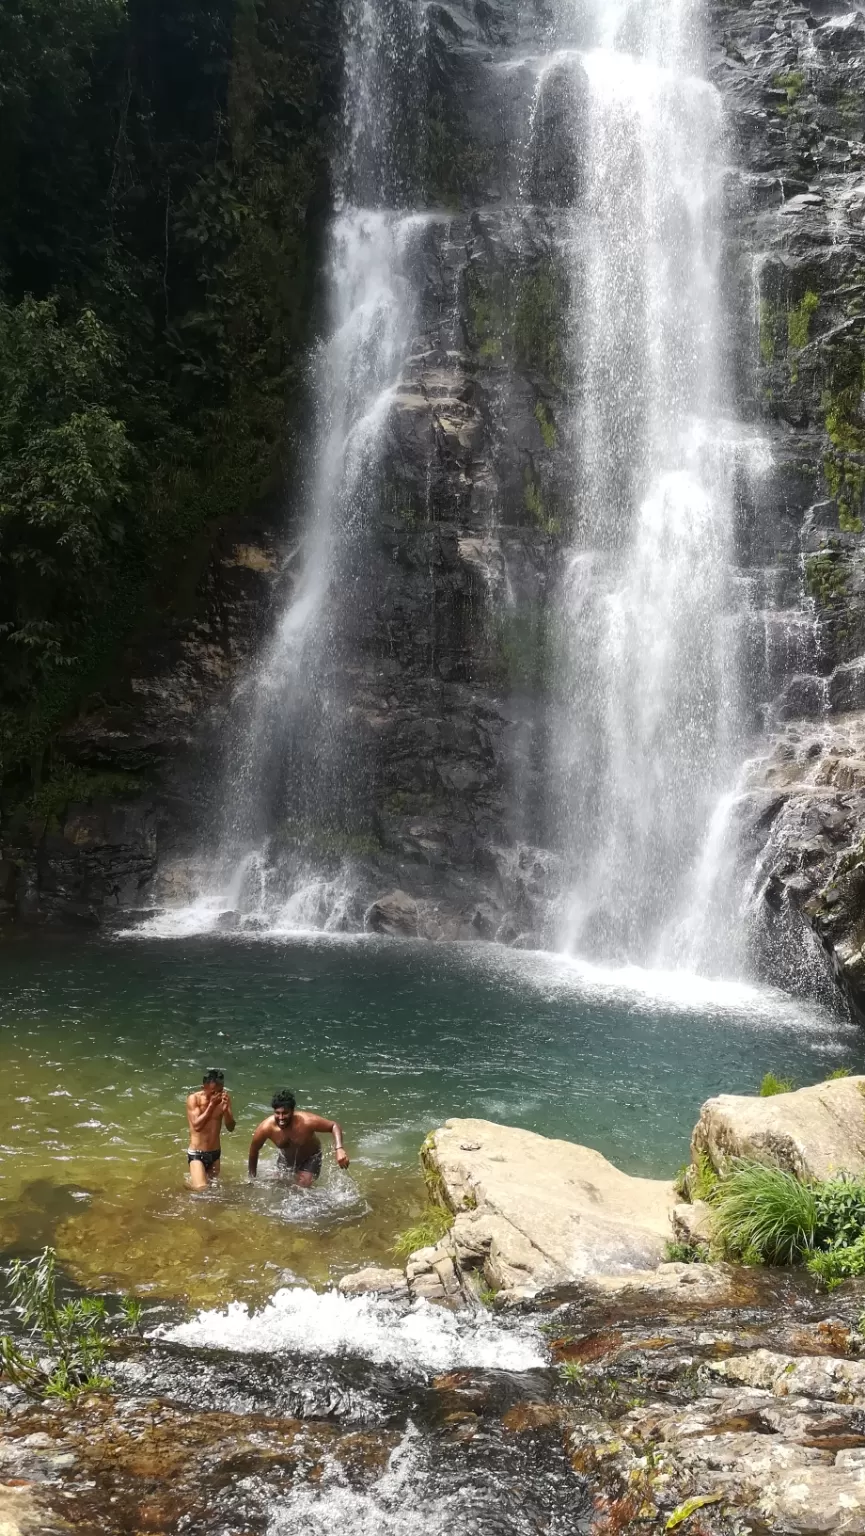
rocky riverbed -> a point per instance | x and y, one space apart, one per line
619 1412
537 1373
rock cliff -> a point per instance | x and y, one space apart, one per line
454 684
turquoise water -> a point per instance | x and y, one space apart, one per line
102 1039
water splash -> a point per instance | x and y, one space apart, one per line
327 1324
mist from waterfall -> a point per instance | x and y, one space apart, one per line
649 709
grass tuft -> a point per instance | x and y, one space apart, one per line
772 1085
765 1215
433 1225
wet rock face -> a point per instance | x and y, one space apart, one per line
796 286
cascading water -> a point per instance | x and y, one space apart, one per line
294 778
649 719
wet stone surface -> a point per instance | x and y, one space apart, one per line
755 1409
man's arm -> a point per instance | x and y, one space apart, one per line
228 1112
198 1118
318 1123
262 1134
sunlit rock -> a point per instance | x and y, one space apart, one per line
814 1132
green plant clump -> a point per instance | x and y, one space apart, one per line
68 785
799 320
704 1179
685 1253
791 81
765 1214
72 1338
539 323
825 578
546 424
435 1222
772 1085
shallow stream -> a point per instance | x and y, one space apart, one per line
102 1039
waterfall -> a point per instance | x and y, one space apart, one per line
296 785
649 711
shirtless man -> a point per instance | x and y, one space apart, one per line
293 1132
205 1111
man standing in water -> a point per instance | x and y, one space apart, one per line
205 1111
293 1132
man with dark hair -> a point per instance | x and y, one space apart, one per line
205 1112
293 1133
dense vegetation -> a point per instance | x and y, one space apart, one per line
163 175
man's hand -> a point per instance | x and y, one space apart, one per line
341 1157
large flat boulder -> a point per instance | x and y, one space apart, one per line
813 1132
533 1212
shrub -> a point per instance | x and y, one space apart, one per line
835 1265
434 1223
839 1072
685 1253
772 1085
840 1205
73 1336
765 1213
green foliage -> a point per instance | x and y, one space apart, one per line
163 181
487 1294
546 424
825 578
841 403
791 81
65 462
840 1207
765 1213
799 320
571 1372
704 1179
535 506
835 1265
71 1338
435 1222
685 1253
68 785
772 1085
485 306
839 1072
539 322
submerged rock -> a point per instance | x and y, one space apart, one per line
814 1132
532 1213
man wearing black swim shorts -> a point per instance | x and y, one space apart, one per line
205 1111
293 1132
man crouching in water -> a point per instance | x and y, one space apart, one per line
205 1111
293 1132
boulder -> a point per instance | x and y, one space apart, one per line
389 1282
533 1212
814 1132
395 914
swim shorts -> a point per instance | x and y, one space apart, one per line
207 1158
295 1164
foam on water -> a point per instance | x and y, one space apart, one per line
327 1324
393 1506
